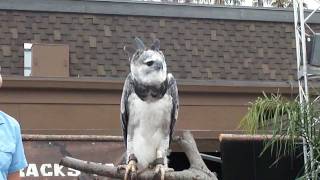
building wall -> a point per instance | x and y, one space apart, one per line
91 106
207 43
223 58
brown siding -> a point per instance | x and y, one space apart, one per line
55 106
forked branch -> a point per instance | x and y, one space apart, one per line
197 170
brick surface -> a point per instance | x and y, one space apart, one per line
194 48
6 50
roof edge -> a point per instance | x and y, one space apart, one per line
112 7
105 84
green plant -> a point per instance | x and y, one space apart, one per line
289 121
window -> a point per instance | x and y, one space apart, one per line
27 59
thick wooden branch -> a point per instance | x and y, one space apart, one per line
197 170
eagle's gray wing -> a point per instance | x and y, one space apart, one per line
127 90
173 92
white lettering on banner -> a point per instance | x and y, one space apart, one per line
22 174
58 170
73 172
44 171
32 170
36 170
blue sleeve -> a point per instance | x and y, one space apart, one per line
18 158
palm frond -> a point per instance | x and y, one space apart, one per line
288 122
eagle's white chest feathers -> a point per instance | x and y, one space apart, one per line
150 124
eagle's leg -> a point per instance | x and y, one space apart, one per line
161 164
160 168
131 167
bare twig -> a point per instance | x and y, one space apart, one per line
197 170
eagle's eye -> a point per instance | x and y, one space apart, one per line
150 63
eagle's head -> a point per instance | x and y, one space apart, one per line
148 65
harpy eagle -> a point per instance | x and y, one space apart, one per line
149 110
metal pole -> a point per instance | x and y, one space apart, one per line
301 92
306 89
315 10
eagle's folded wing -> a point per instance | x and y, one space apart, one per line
127 90
173 92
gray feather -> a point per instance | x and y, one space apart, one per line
129 51
139 44
155 45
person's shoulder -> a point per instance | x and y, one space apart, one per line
9 120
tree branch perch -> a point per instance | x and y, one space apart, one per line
197 170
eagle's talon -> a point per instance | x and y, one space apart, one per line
130 168
134 175
160 169
121 166
169 170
